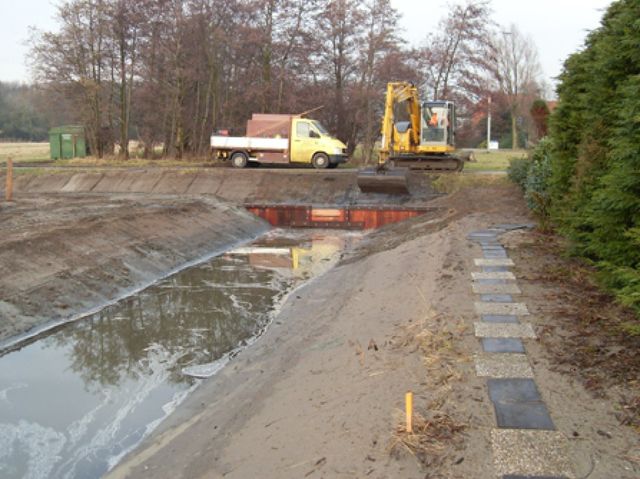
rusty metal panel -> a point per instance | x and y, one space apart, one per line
298 216
269 126
273 157
335 215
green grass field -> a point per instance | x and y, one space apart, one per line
493 160
24 152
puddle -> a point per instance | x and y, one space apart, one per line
74 402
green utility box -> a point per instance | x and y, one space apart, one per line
67 142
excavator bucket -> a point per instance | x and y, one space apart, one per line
393 181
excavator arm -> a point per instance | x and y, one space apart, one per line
392 139
384 179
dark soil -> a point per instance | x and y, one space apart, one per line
589 336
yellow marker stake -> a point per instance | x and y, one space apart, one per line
408 399
9 188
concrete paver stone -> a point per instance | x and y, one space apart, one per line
497 275
493 262
494 269
501 308
493 281
499 318
496 298
507 365
494 254
502 345
518 404
504 330
508 288
531 453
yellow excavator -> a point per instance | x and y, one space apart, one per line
416 136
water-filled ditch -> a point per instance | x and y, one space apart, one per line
77 399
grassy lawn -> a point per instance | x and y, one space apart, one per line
39 152
24 152
450 183
493 160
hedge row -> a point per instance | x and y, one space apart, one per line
586 176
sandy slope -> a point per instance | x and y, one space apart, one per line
62 256
315 398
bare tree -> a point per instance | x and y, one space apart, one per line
516 70
338 24
379 39
456 55
171 71
73 63
127 21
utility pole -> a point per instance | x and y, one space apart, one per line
489 124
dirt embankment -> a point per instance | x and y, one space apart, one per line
285 186
63 256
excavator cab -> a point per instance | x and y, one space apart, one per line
438 120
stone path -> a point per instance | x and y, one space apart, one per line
525 443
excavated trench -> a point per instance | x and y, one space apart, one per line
77 397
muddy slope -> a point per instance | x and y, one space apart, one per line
62 256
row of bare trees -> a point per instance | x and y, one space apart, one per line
169 72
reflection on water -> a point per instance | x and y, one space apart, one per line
74 402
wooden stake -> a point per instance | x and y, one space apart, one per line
8 193
408 400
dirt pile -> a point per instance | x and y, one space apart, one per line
67 255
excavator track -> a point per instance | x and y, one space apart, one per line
435 163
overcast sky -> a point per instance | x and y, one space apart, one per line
558 27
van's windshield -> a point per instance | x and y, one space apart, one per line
321 128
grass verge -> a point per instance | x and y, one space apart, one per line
24 152
453 182
493 160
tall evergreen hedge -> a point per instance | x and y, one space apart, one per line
595 133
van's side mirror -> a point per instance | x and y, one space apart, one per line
314 134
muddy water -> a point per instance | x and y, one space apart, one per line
75 401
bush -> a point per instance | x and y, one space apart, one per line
533 175
536 186
537 182
518 170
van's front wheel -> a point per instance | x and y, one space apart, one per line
239 159
320 161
